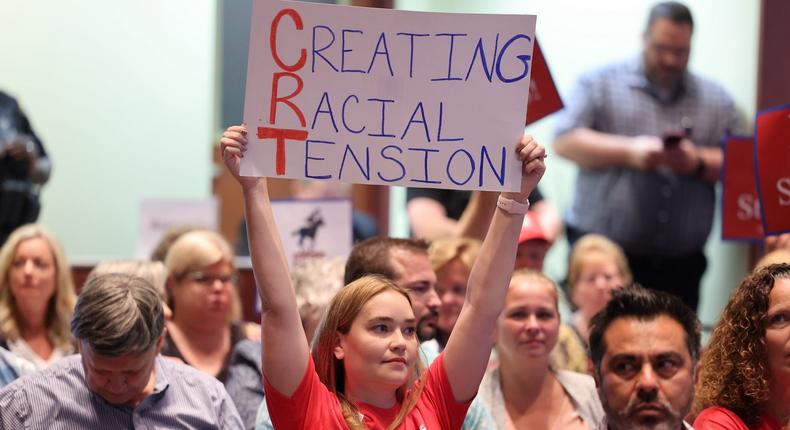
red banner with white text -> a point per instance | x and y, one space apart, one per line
740 208
772 151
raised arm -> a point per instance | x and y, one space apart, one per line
285 349
467 351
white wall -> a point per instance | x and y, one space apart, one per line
123 95
577 35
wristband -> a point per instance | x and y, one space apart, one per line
511 206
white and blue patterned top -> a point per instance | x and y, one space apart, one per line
646 212
57 398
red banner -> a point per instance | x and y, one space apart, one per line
543 96
740 205
773 167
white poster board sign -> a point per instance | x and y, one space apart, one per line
157 216
314 228
378 96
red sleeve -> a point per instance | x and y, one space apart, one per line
438 397
717 418
311 406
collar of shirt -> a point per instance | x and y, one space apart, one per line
160 386
605 426
637 78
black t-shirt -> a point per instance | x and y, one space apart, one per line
455 201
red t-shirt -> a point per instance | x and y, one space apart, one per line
717 418
313 406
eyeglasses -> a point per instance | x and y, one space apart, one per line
208 279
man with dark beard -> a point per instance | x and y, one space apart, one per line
645 348
405 262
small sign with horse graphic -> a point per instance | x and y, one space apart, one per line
314 228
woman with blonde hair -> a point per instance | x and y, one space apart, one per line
452 259
365 357
524 391
597 267
36 296
205 306
744 383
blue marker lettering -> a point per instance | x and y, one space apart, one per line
425 151
394 160
524 59
382 42
344 51
307 158
343 115
411 120
317 52
471 166
324 97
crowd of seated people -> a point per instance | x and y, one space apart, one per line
629 336
630 357
454 328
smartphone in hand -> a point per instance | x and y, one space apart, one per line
672 140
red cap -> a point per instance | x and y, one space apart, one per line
531 229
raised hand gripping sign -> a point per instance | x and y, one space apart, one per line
741 218
772 151
379 96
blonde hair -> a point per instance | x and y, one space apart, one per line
61 304
340 314
154 272
192 252
529 275
167 240
596 244
445 250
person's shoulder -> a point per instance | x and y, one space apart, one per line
611 69
576 379
180 373
62 375
246 350
430 349
717 417
579 386
5 97
707 87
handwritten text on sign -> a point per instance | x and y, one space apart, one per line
386 97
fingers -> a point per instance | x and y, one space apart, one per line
529 149
536 165
234 141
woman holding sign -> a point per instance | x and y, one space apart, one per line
364 360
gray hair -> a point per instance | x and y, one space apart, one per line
154 272
118 314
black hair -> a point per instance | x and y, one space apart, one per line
676 12
645 305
